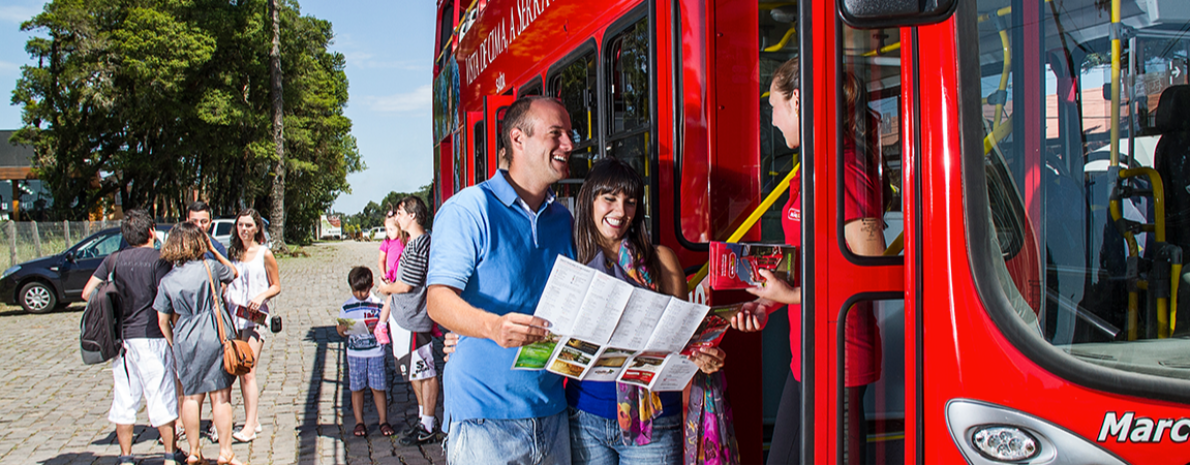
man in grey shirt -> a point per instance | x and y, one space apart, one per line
410 324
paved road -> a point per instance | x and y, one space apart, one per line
53 409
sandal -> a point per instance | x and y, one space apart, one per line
228 461
387 429
195 459
361 430
240 437
126 460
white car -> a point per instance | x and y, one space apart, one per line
376 234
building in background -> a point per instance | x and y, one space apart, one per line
22 195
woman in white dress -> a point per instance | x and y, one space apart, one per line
247 298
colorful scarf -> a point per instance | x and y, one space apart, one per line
636 407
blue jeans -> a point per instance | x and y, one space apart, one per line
596 440
542 440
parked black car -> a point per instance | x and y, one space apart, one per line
46 283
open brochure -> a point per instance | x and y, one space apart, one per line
604 329
355 327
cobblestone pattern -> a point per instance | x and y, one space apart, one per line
53 408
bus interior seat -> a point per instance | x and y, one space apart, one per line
1172 161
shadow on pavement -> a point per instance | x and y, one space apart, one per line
140 433
79 457
309 428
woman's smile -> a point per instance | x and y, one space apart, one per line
613 214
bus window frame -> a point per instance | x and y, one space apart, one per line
479 134
677 84
587 47
840 171
535 81
807 156
445 36
979 250
841 359
648 13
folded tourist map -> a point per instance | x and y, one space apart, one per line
604 329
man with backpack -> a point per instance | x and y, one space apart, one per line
145 366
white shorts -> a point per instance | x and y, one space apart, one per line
146 370
414 353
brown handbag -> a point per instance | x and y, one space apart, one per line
238 359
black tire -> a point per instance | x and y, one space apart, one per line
38 297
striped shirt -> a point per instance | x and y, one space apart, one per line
409 309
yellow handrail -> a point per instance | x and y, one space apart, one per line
1003 79
784 40
883 50
996 135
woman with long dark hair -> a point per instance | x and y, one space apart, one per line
612 422
248 299
191 319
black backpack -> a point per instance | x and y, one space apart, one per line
99 331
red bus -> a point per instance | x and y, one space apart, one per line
1036 160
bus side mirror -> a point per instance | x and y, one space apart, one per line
869 14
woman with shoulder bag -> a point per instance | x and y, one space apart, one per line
187 298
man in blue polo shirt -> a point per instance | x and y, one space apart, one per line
494 247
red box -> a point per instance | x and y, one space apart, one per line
735 265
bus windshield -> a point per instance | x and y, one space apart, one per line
1087 160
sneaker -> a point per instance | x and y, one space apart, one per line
213 433
410 429
421 436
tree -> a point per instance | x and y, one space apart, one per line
165 98
278 194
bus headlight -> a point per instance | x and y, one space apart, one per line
990 434
1004 443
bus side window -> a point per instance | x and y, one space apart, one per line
532 88
870 164
778 44
446 24
629 94
501 159
479 151
574 82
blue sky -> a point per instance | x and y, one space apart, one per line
389 48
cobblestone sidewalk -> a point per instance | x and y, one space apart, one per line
53 409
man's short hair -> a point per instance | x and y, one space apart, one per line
198 206
137 227
360 279
517 116
418 208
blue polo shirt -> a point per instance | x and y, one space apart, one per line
489 244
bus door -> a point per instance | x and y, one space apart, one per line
855 349
494 107
444 154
